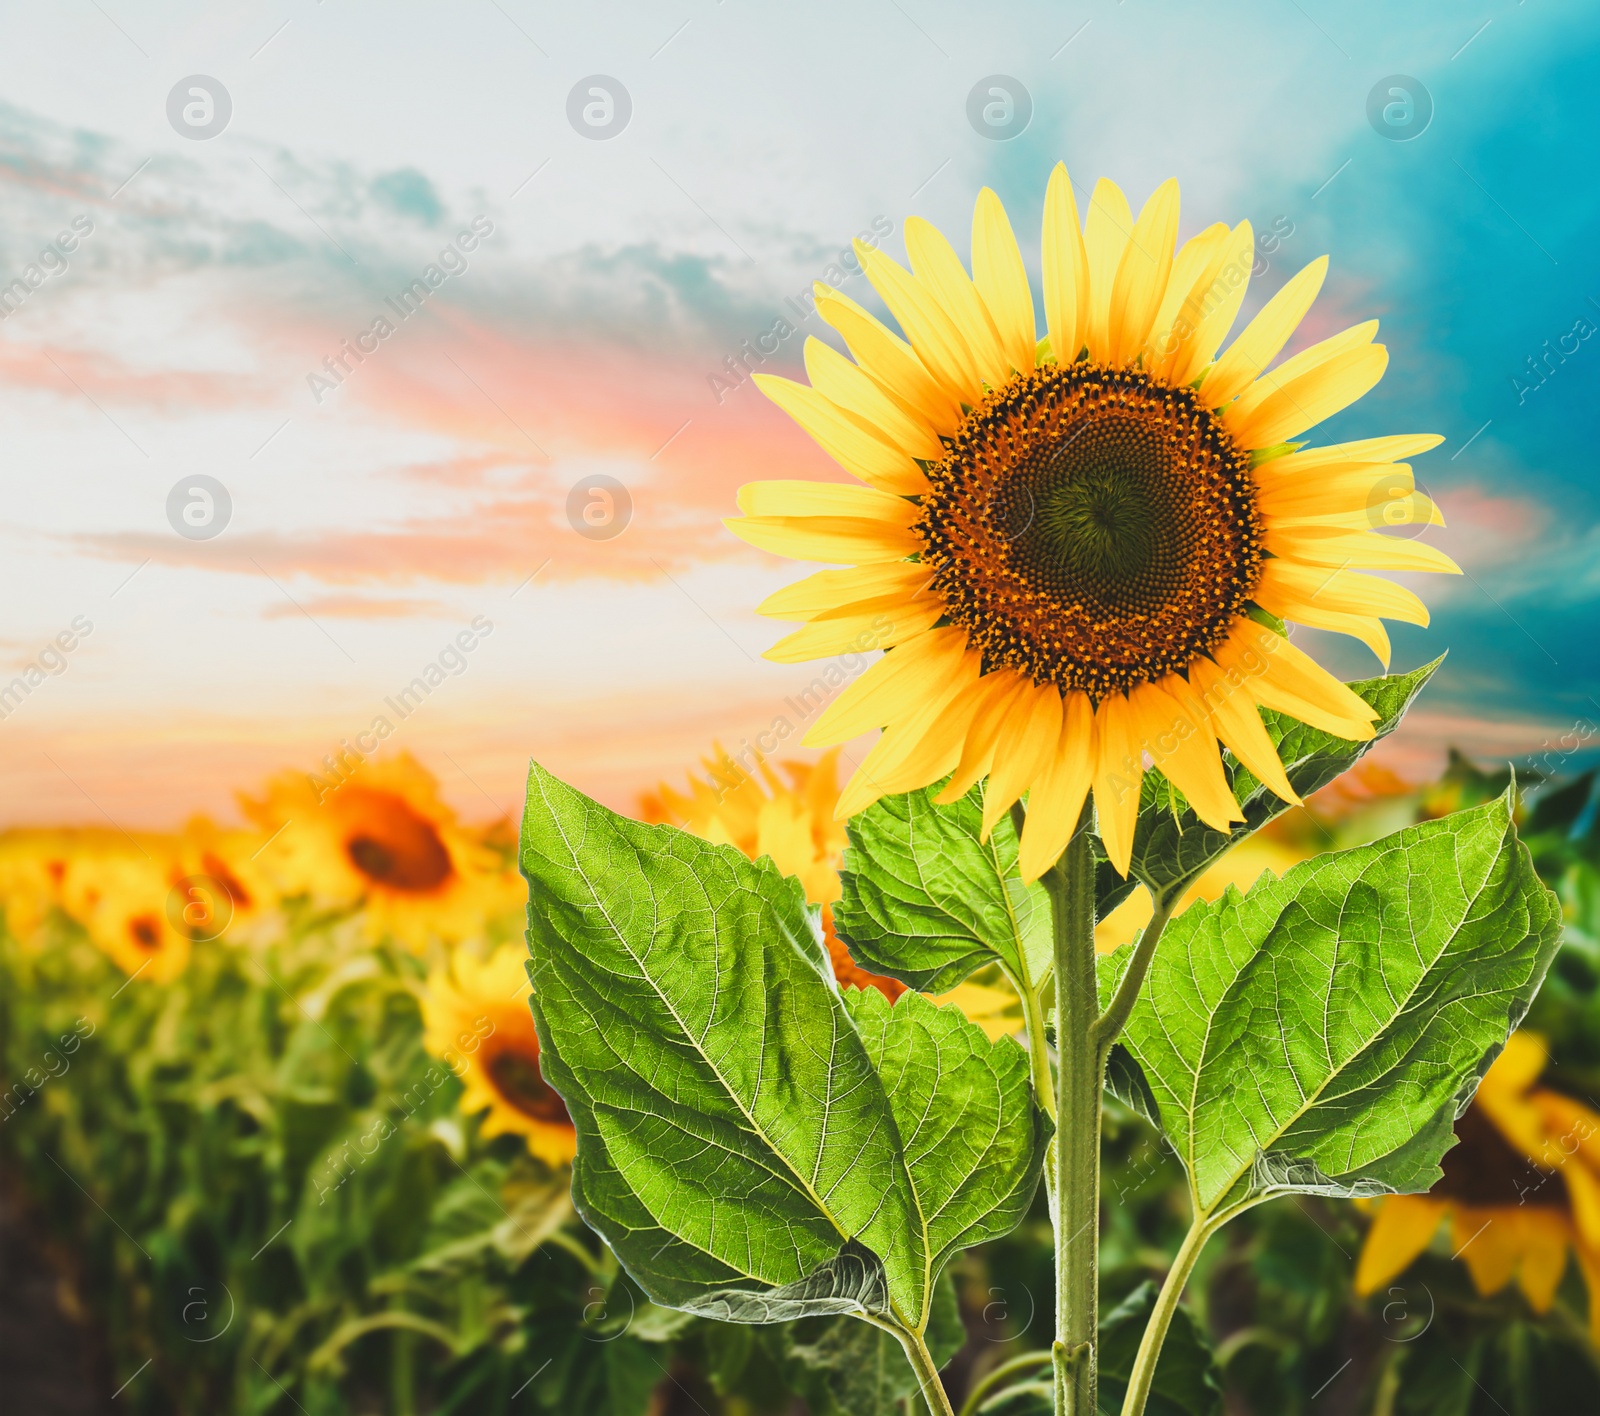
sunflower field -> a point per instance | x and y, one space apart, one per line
276 1137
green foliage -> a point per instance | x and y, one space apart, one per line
1321 1032
1186 1375
753 1146
929 903
273 1199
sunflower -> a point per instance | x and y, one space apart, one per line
794 823
386 838
122 891
1080 552
1520 1188
763 815
476 1017
33 864
224 884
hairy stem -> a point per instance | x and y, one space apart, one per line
1144 1364
1078 1081
1110 1023
927 1374
1044 1082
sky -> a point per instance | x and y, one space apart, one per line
579 286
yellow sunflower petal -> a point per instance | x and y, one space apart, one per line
1105 237
1287 588
922 747
938 268
1544 1257
844 437
1217 302
1056 801
1142 273
1312 397
1002 280
1489 1242
857 633
1583 1189
1280 676
933 334
1028 739
829 590
1302 363
1383 510
1573 1127
992 698
1338 548
798 498
912 752
1183 746
891 688
836 540
855 391
1364 451
1065 264
1260 340
1400 1231
889 360
1118 771
1365 628
1181 312
1518 1066
1332 489
1237 722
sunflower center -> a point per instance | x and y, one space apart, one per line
393 846
1484 1170
145 931
1093 528
517 1080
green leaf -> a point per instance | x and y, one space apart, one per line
688 1018
847 1368
1171 845
754 1146
1185 1382
929 903
971 1135
1322 1032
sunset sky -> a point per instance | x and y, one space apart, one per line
375 519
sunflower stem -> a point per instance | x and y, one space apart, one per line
1110 1023
1078 1079
1155 1333
932 1389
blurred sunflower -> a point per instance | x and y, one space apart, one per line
225 882
122 893
1520 1188
1079 552
762 815
476 1017
33 864
384 837
795 823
